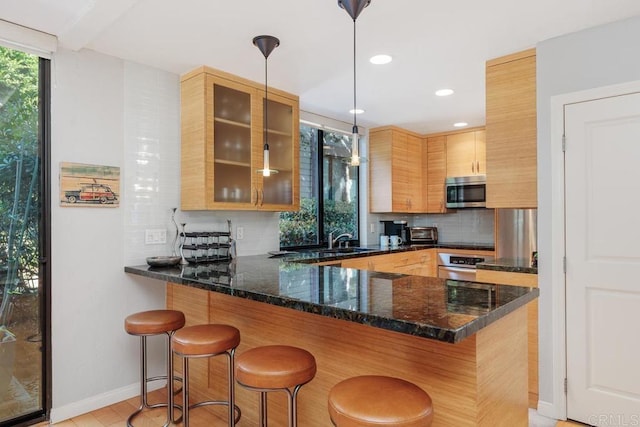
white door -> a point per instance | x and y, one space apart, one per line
602 194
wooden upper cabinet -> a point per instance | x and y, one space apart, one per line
511 131
222 144
436 172
395 171
466 153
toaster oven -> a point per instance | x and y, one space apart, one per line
423 235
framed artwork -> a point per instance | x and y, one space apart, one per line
89 185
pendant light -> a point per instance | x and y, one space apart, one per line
353 8
266 44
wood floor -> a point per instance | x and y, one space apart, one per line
116 415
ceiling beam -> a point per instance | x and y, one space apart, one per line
91 22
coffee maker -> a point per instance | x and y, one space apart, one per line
395 228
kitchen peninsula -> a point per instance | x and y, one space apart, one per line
464 343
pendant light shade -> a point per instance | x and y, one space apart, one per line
353 8
266 44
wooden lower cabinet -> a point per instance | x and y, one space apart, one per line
522 279
417 263
480 381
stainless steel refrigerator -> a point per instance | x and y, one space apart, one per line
517 234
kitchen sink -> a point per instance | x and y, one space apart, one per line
345 250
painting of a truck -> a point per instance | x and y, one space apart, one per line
91 193
89 185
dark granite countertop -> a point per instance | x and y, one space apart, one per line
511 265
445 310
322 255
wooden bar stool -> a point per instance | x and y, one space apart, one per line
276 368
149 323
371 400
207 341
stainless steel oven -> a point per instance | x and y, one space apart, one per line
459 267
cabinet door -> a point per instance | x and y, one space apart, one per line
216 131
380 171
436 173
280 190
481 152
400 173
417 193
512 131
232 142
461 154
395 171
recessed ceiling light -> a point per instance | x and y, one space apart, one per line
444 92
356 111
381 59
460 124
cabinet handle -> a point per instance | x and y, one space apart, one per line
262 197
257 197
473 167
478 166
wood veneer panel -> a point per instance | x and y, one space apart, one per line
436 174
455 375
522 279
193 135
502 399
512 131
380 181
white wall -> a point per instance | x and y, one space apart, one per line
111 112
587 59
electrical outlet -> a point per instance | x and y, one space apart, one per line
372 228
239 233
155 236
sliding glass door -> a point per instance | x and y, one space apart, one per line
24 236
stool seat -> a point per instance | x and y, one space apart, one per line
275 367
153 322
371 400
205 339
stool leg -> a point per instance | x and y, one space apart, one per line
143 379
170 397
293 406
232 390
263 409
185 391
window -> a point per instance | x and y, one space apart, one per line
24 237
328 191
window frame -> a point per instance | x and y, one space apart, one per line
321 130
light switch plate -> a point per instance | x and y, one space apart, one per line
155 236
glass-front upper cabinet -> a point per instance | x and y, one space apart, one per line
222 144
279 191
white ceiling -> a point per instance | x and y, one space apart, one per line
434 44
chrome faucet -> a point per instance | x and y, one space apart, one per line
333 241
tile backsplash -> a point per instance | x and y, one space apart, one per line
461 226
464 225
151 173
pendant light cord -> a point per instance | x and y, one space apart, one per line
355 124
266 106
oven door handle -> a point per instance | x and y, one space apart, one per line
457 269
449 272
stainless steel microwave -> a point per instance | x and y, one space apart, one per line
466 192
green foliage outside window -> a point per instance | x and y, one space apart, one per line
19 172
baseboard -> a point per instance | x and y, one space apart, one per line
549 410
99 401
